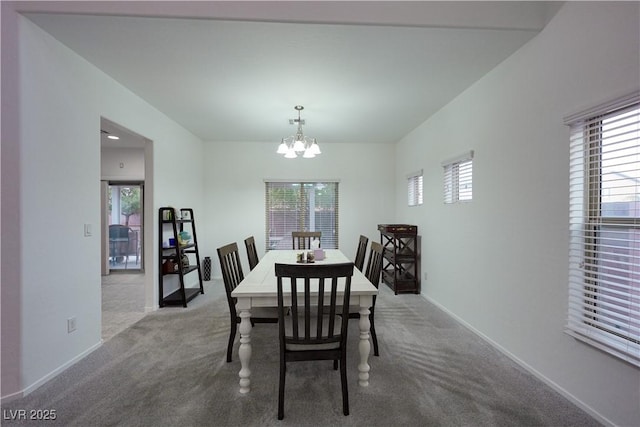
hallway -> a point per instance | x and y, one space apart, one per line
122 302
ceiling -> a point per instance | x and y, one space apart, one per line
365 72
125 137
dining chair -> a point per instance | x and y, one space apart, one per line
313 330
303 239
252 253
119 243
232 276
361 252
374 269
134 244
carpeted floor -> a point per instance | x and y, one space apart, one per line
169 369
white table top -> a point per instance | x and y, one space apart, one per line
262 282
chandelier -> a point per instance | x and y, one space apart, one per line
292 145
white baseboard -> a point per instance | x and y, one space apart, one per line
526 366
10 397
60 369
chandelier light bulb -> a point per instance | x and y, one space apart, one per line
298 145
315 149
291 154
282 148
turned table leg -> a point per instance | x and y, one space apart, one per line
364 346
245 350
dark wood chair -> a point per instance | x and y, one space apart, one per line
232 276
252 253
361 252
374 269
123 241
313 330
303 239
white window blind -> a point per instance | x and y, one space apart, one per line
414 188
604 203
301 206
458 178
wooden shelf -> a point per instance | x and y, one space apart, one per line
400 257
175 298
185 270
170 224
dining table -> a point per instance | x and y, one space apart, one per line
259 289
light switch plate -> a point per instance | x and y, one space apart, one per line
71 324
88 231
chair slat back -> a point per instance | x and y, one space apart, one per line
118 231
309 282
361 252
374 266
231 270
252 253
303 239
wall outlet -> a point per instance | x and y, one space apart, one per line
71 324
425 276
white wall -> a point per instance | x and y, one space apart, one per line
235 190
61 99
10 245
123 163
500 263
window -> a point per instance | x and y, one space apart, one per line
301 206
414 186
604 200
458 178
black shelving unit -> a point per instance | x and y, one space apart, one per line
400 257
174 258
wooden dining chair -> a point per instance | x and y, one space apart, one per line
119 243
232 276
361 252
303 239
252 253
374 269
313 330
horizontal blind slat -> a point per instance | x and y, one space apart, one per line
458 180
604 218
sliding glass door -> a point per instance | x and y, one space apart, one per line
124 213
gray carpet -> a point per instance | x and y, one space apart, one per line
169 369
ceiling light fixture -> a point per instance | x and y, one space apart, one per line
298 143
109 135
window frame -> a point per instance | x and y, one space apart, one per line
591 256
415 188
303 216
458 172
